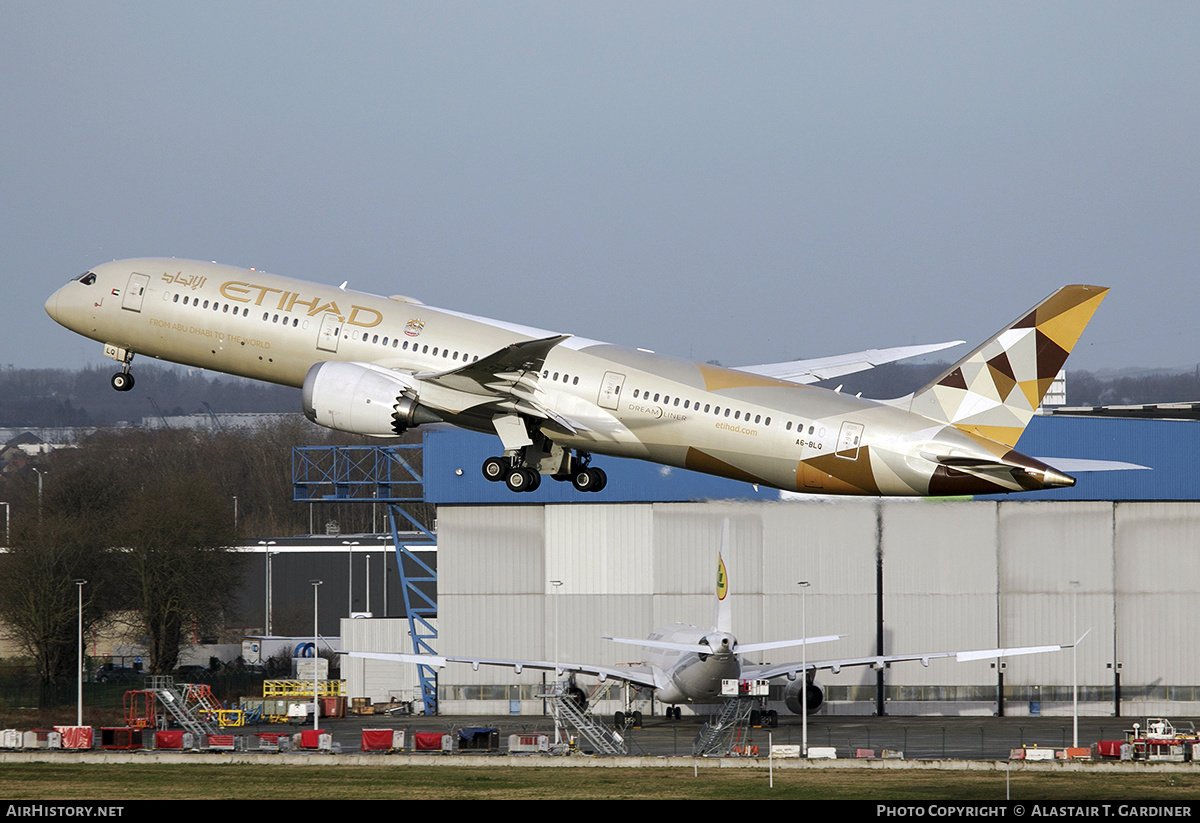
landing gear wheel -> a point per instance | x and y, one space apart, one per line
522 480
589 480
516 480
535 479
619 720
637 720
122 381
675 713
494 468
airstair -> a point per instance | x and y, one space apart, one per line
566 708
189 705
728 730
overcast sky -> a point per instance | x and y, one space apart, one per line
748 182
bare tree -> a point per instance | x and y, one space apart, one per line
39 600
176 561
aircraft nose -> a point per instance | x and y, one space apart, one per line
52 306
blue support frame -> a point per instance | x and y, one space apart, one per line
379 474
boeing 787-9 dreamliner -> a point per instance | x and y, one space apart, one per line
381 365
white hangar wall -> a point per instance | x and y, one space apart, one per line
955 575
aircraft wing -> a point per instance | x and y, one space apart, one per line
499 371
630 674
825 368
507 377
766 671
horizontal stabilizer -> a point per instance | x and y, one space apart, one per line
1075 465
740 648
750 648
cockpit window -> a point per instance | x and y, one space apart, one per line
87 279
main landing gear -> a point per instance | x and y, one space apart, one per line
517 478
521 478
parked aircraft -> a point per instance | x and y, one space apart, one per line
379 366
689 665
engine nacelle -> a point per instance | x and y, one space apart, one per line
791 695
364 399
579 696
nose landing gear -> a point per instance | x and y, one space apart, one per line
122 380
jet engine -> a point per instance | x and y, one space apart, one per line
816 695
579 696
363 398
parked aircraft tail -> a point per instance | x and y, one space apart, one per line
722 617
994 390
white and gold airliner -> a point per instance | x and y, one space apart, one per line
380 365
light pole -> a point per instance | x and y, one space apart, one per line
383 556
368 584
40 475
316 656
557 584
7 537
79 583
1074 584
350 544
267 544
804 584
235 518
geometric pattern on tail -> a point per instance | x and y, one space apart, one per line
994 390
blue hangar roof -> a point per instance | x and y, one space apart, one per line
1169 447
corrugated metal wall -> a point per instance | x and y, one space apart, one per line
956 575
378 680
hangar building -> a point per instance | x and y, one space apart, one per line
1116 555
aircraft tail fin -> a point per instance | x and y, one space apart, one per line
722 617
994 390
